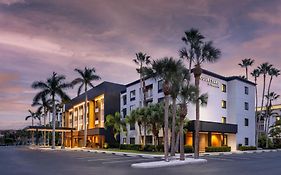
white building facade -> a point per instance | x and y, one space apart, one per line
228 119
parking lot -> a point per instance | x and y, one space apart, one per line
21 160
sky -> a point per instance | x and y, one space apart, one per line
39 37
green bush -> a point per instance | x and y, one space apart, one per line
245 148
277 143
149 148
188 149
218 149
113 145
262 142
131 147
159 148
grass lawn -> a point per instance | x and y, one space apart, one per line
132 151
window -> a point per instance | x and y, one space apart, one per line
246 122
132 95
246 106
132 140
223 88
160 86
246 141
124 141
148 140
246 90
132 107
149 91
132 126
124 112
124 99
223 104
223 119
277 118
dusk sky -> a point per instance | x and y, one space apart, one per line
41 36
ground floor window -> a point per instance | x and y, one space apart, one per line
246 141
132 140
124 141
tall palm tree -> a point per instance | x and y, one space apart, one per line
33 116
192 39
272 72
204 52
133 118
256 73
86 77
156 120
142 60
245 64
116 123
53 87
45 107
164 69
179 76
272 96
264 68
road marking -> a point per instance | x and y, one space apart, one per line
122 161
217 158
116 158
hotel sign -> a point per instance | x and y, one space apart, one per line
210 82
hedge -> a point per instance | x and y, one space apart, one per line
218 149
131 147
245 148
188 149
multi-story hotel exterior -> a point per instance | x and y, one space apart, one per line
228 118
103 99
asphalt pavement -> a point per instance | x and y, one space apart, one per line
24 161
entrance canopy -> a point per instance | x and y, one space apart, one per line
213 127
49 128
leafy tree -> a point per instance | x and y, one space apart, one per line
86 77
116 123
52 88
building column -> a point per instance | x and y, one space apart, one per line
209 138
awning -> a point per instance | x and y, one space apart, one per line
48 128
213 127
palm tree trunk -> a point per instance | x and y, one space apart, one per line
44 134
267 112
54 124
85 117
32 133
144 134
246 72
256 114
166 115
140 139
177 142
197 74
173 127
263 91
182 157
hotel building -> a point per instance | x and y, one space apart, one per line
228 119
103 99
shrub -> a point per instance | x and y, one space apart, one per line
245 148
159 148
262 142
188 149
218 149
149 148
113 145
131 147
105 145
277 143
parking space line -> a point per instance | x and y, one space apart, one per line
122 161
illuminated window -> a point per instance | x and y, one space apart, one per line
223 119
277 118
223 88
223 104
124 141
132 95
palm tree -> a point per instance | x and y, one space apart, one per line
164 69
53 87
86 77
33 116
203 52
272 96
116 123
256 73
156 120
45 107
179 76
245 64
263 69
272 72
142 60
134 118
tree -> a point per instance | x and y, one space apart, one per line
116 123
86 77
204 52
256 73
263 69
156 120
45 107
53 87
164 69
272 72
245 64
269 113
33 116
142 60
